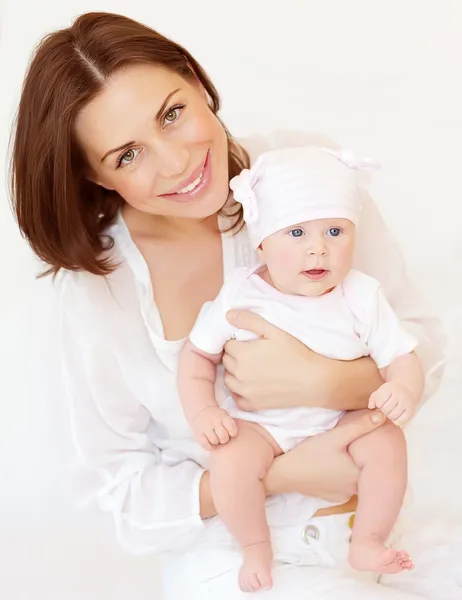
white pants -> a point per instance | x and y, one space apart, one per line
310 564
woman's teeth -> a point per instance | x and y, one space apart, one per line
191 186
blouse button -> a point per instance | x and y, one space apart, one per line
310 532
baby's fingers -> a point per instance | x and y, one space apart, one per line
390 405
404 418
222 433
379 397
230 425
203 441
211 436
397 412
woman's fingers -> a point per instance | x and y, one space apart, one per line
233 384
236 388
245 319
229 363
355 424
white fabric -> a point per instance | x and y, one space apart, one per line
352 321
309 564
293 185
120 375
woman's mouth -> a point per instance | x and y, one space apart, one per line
315 274
194 185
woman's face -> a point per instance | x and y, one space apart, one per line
151 136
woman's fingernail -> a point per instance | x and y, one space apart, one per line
231 315
377 417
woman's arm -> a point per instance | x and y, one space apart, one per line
378 254
346 385
152 496
320 466
278 371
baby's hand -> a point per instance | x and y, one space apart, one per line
396 401
213 426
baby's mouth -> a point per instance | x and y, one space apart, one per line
316 274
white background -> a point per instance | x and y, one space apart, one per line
381 78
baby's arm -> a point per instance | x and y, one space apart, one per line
402 391
391 347
197 370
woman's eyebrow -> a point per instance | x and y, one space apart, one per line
126 145
164 104
158 116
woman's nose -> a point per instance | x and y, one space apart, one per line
172 160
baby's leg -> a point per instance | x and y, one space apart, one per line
236 472
381 456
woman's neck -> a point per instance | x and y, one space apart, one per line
143 224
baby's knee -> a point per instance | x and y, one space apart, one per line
237 473
387 440
242 457
389 436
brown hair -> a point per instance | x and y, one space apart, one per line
62 214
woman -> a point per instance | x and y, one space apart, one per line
120 184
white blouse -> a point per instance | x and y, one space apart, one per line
120 376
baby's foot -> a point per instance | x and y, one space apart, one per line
255 573
369 554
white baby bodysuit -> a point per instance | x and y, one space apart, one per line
351 321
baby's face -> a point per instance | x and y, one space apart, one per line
311 258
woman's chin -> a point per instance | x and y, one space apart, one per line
203 207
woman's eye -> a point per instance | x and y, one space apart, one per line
172 115
128 157
296 232
334 231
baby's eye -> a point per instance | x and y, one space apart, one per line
334 231
297 232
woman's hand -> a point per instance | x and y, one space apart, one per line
260 373
321 466
278 371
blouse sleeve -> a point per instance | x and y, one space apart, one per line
378 254
154 502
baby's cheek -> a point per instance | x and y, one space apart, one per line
286 257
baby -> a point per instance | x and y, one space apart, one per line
302 207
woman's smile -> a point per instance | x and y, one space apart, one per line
192 187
